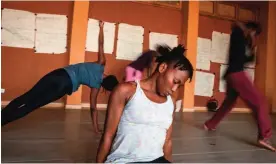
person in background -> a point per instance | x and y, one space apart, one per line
243 37
134 71
61 82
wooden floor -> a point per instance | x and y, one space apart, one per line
66 136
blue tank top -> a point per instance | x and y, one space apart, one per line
89 74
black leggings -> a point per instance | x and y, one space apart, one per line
49 88
158 160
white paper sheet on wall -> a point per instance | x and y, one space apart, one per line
203 53
220 47
204 84
51 33
160 38
128 51
109 35
130 32
222 84
18 19
215 48
130 42
51 23
50 43
92 37
225 44
13 37
18 28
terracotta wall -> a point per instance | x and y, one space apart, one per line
22 68
271 56
157 19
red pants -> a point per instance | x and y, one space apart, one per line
238 84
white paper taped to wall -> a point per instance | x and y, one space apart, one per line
220 47
50 43
130 42
93 29
51 33
51 23
92 35
131 33
203 53
160 38
109 37
225 45
13 37
204 84
215 48
18 19
18 28
128 51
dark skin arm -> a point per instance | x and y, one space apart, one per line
93 108
95 91
116 104
167 148
101 57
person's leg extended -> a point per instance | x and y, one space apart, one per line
257 103
50 88
224 109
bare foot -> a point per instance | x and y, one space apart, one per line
99 131
266 144
208 129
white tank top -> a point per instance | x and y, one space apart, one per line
142 129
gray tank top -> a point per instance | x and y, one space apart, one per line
142 129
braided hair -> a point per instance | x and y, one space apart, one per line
175 55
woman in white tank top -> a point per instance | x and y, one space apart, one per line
139 118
